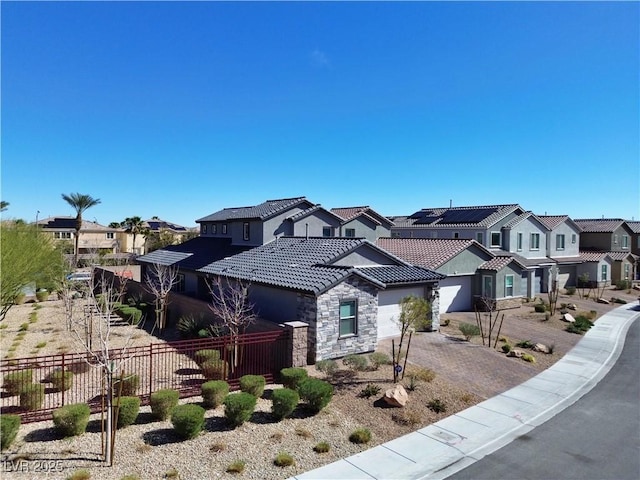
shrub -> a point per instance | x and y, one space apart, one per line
9 426
539 308
283 459
163 402
506 348
619 301
407 417
214 393
322 447
355 362
328 367
172 473
437 405
581 325
23 327
412 386
469 330
236 467
570 290
424 374
369 391
128 412
623 284
14 381
238 407
215 369
71 420
188 420
42 295
190 325
253 384
291 377
360 435
379 358
130 384
202 356
82 474
284 401
317 393
527 357
32 396
525 344
61 380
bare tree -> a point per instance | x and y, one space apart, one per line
414 314
487 325
159 280
552 289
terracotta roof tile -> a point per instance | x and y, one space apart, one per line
599 225
426 252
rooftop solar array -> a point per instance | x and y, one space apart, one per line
453 216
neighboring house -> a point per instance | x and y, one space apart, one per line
502 229
635 244
563 246
362 222
613 236
473 272
595 270
94 238
346 290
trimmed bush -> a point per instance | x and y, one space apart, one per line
360 435
15 381
163 402
131 315
61 380
525 344
527 357
238 407
72 420
206 355
285 401
328 367
378 358
322 447
32 396
370 390
129 408
570 290
253 384
215 369
283 459
9 426
540 308
42 295
130 384
316 393
292 376
469 330
358 363
188 420
214 392
236 467
506 348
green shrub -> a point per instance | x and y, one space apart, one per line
358 363
71 420
618 301
540 308
206 355
283 459
9 426
253 384
190 325
623 284
328 367
469 330
370 390
525 344
188 420
42 295
14 381
581 325
32 396
215 369
238 407
291 377
128 412
506 348
322 447
316 393
437 405
163 402
214 393
131 315
424 374
284 401
570 290
527 357
130 384
61 380
236 467
378 358
360 435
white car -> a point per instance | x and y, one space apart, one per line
79 277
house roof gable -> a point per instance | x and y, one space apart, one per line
483 216
262 211
599 225
350 213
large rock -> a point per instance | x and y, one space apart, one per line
602 300
515 353
396 396
541 347
567 317
572 306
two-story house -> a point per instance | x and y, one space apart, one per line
563 247
94 239
362 222
635 244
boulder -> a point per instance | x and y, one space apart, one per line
572 306
567 317
602 300
515 353
396 396
540 347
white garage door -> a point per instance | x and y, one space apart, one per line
389 309
455 294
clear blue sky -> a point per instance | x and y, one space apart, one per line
181 109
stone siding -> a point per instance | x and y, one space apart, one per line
499 304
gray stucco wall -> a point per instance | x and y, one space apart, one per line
315 222
273 304
571 249
364 228
466 262
364 256
526 227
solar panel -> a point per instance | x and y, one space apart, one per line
467 216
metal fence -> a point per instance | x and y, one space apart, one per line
157 366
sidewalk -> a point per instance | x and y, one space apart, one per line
456 442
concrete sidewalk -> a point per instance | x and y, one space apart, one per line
445 447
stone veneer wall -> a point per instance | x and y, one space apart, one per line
500 304
322 315
433 295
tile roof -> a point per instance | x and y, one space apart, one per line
398 274
598 225
619 256
349 213
426 252
69 223
592 255
457 217
262 211
634 226
316 208
497 263
156 224
553 221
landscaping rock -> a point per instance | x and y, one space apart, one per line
515 353
567 317
541 347
572 306
396 396
602 300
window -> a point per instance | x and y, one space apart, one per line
480 238
349 232
203 228
535 241
574 238
604 273
214 228
245 230
348 318
626 271
487 286
326 232
496 240
519 240
224 228
625 241
615 239
64 235
559 242
456 235
110 235
508 286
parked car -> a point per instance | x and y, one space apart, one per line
79 277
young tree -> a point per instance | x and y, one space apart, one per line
159 280
3 205
158 240
552 289
26 257
80 203
488 324
414 312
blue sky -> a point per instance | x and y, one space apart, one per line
179 109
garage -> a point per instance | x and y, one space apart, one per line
456 294
389 309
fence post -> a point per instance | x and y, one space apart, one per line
64 378
297 344
150 370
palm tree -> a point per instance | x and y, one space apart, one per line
3 205
135 226
80 203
